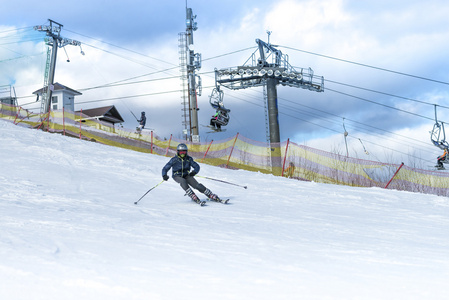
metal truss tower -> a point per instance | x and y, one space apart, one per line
185 99
270 69
53 40
192 62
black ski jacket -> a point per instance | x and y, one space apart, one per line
180 166
142 121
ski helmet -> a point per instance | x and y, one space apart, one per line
181 148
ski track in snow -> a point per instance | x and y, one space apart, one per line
70 230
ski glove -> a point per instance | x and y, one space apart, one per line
193 173
165 177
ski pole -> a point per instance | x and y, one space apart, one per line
134 116
245 187
149 191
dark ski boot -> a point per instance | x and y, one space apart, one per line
194 197
212 196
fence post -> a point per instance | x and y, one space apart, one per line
207 150
285 157
18 112
232 149
168 147
48 121
42 123
81 111
151 150
63 121
394 175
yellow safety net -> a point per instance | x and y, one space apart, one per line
238 152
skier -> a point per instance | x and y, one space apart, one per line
180 165
142 121
441 159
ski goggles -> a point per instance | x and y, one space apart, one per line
182 152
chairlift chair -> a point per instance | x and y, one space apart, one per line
216 101
438 136
216 98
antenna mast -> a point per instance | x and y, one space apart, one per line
193 63
190 62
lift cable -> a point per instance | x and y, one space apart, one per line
123 48
22 41
339 117
20 57
226 54
336 131
157 59
128 97
357 128
348 119
125 83
123 57
121 82
381 104
17 29
337 123
368 66
386 94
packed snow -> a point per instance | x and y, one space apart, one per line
70 230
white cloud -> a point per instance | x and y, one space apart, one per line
400 36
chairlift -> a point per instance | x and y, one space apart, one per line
438 134
222 118
216 101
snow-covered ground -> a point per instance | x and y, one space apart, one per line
69 229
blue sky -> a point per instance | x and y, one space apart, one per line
354 44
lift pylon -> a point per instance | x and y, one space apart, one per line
270 69
55 41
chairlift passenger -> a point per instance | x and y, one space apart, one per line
142 122
214 121
221 116
442 159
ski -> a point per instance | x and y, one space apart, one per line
139 132
215 131
200 202
437 168
223 201
208 126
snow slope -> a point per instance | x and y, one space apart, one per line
70 230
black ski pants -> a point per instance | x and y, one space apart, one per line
189 181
